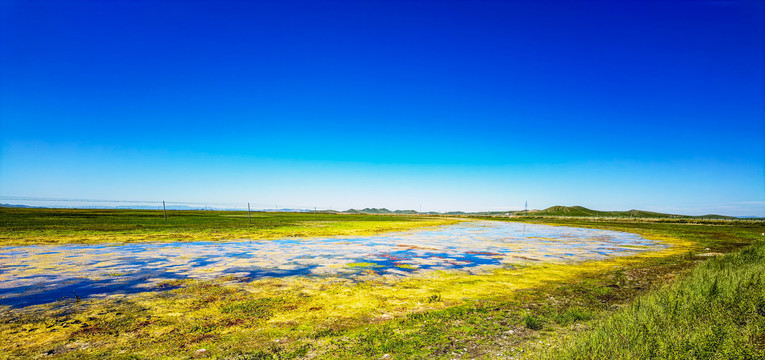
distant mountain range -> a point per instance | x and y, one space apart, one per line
574 211
378 211
20 206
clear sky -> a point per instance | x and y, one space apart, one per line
448 105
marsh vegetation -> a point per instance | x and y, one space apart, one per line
648 304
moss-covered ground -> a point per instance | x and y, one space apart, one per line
650 305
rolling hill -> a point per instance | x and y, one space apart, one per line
585 212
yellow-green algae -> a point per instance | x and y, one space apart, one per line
362 264
230 317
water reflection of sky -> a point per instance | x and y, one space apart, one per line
39 274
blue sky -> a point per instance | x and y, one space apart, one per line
448 105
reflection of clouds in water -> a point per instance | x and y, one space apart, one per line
476 245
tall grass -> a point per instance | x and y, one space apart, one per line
717 312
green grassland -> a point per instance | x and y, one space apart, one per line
717 311
25 226
700 298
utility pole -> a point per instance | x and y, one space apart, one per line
526 208
249 217
164 209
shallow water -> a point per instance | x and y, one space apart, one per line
32 275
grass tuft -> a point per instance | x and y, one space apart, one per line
532 322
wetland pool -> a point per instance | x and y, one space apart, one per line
31 275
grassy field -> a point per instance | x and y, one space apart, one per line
645 306
703 305
21 226
717 311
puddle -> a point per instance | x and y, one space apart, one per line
32 275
